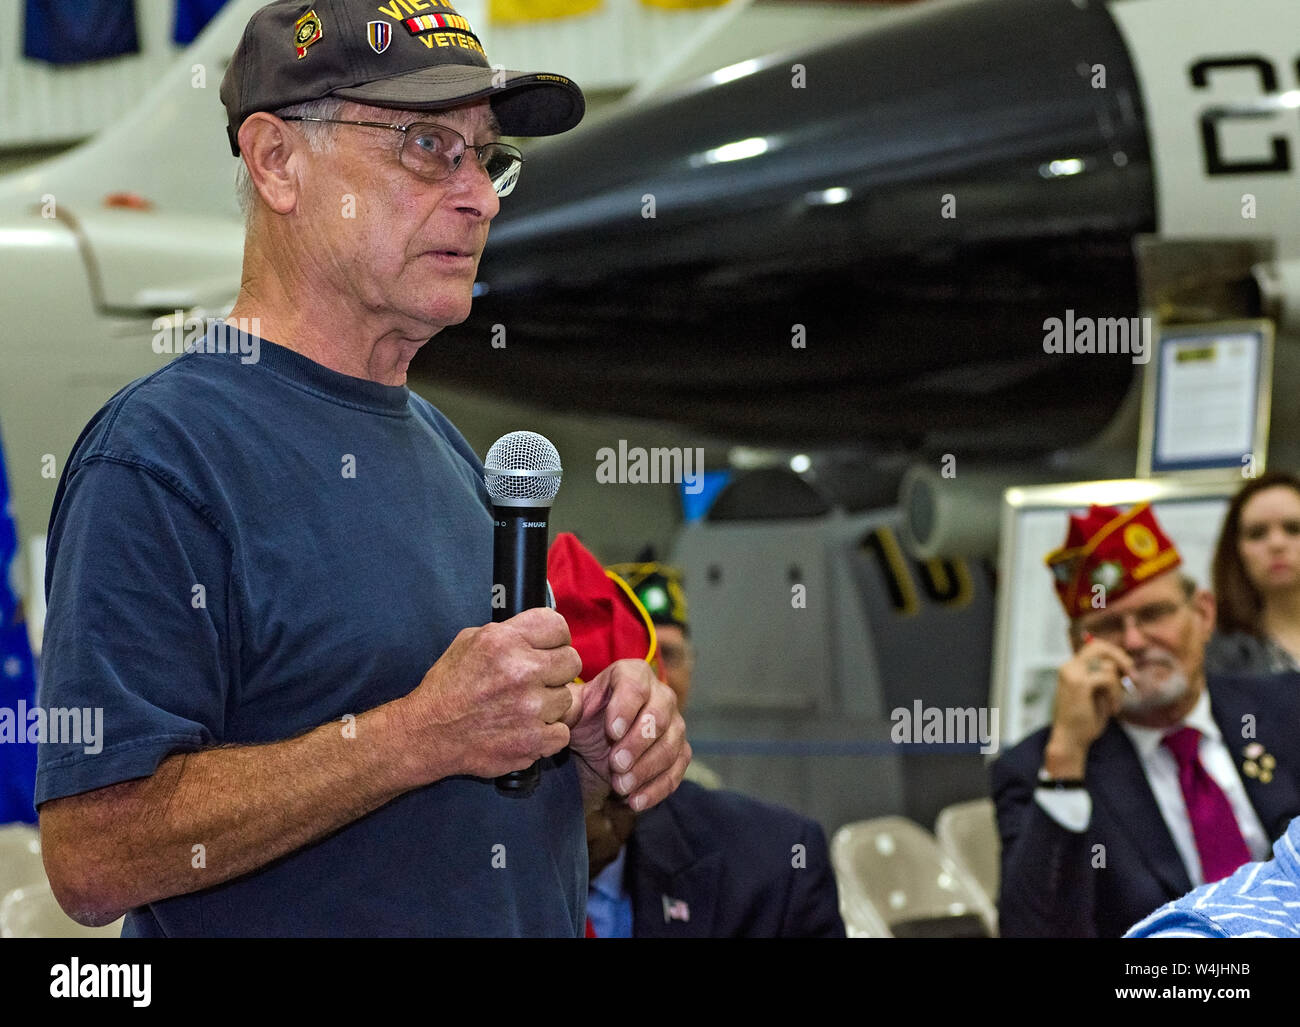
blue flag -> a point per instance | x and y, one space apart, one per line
192 17
64 32
17 678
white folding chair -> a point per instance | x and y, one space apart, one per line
968 832
895 881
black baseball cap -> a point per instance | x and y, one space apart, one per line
410 54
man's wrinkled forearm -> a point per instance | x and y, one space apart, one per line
206 817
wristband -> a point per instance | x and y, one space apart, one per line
1060 784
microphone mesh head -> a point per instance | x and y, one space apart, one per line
522 469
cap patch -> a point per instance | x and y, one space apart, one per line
430 29
379 34
1108 574
1140 541
306 30
430 22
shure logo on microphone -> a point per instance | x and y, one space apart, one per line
657 466
534 524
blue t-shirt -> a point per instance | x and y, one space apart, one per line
242 550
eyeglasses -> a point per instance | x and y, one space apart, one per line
434 152
1112 627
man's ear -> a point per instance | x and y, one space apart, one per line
267 148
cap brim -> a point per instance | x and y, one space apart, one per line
526 103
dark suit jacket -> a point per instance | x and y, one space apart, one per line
1053 883
731 860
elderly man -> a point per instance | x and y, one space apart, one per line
1147 782
274 574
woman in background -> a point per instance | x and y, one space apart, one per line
1257 579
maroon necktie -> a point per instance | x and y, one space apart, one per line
1218 838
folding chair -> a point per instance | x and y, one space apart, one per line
895 882
968 832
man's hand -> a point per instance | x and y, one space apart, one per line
1088 694
627 734
495 701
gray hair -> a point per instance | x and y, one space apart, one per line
318 138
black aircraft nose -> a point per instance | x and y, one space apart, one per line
861 242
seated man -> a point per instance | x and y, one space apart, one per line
709 864
716 864
1142 788
1261 900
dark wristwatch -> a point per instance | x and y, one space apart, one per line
1060 784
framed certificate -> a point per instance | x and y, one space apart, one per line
1205 402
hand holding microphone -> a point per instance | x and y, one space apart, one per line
499 695
522 474
502 693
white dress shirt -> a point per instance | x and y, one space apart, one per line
1073 809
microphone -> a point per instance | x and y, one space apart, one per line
522 475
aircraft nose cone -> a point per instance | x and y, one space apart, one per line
919 198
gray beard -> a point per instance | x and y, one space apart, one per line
1149 698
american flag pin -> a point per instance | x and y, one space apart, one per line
676 909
